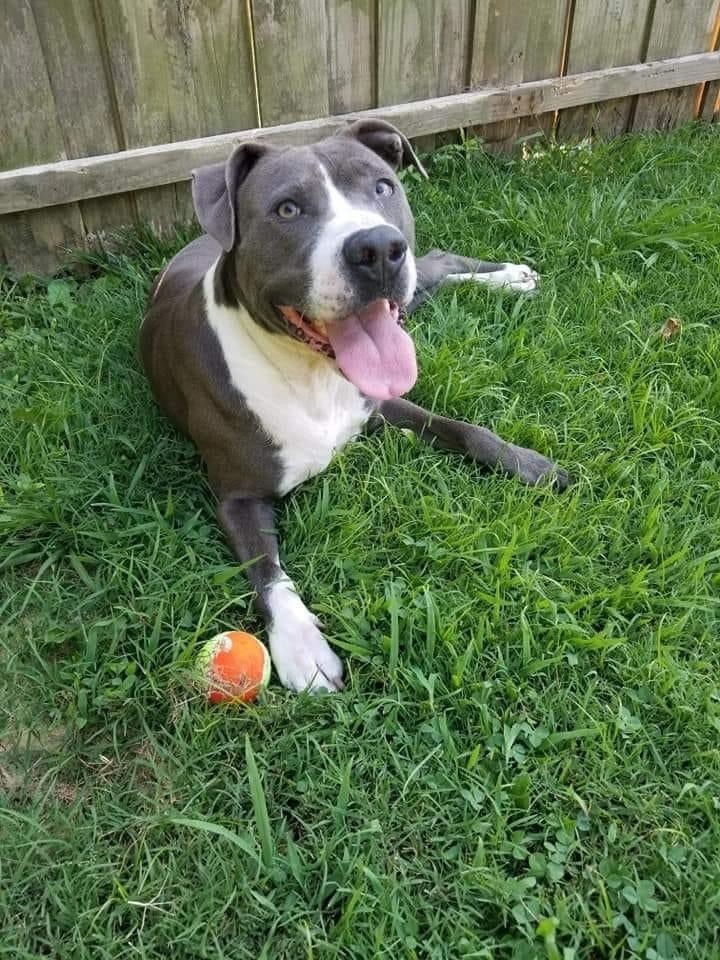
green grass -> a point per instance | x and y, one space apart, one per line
526 761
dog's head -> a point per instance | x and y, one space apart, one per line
318 246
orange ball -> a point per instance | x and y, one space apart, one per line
235 667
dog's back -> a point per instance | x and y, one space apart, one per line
173 321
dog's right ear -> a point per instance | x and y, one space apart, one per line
214 190
386 140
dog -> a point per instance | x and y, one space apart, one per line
277 336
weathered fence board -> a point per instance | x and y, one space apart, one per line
101 98
510 47
291 57
711 101
154 99
422 50
48 184
678 28
219 43
351 32
88 123
173 73
605 33
28 131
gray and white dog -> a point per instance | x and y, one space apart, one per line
278 336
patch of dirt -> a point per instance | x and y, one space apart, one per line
22 756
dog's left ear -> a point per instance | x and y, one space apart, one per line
386 140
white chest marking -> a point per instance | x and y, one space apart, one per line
304 405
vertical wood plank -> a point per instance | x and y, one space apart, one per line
29 133
605 33
37 241
179 70
511 47
155 101
83 102
218 40
351 55
711 102
679 28
292 59
28 124
422 50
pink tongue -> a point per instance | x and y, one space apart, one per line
374 352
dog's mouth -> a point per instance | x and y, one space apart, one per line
370 347
311 332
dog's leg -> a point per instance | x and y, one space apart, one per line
479 444
439 267
301 655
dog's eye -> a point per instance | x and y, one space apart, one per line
288 209
383 188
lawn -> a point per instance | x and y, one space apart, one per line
526 761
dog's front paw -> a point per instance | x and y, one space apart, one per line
300 653
533 468
519 277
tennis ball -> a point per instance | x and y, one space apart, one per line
234 666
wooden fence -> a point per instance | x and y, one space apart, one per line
108 104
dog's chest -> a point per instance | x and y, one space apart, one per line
309 418
303 405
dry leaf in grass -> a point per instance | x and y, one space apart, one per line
65 792
671 328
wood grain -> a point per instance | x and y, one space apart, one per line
49 184
711 102
292 59
422 50
177 69
65 27
351 55
511 47
605 33
32 240
679 27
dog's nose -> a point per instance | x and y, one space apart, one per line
376 254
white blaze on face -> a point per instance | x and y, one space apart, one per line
330 291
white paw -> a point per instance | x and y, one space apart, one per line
518 276
301 654
513 276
